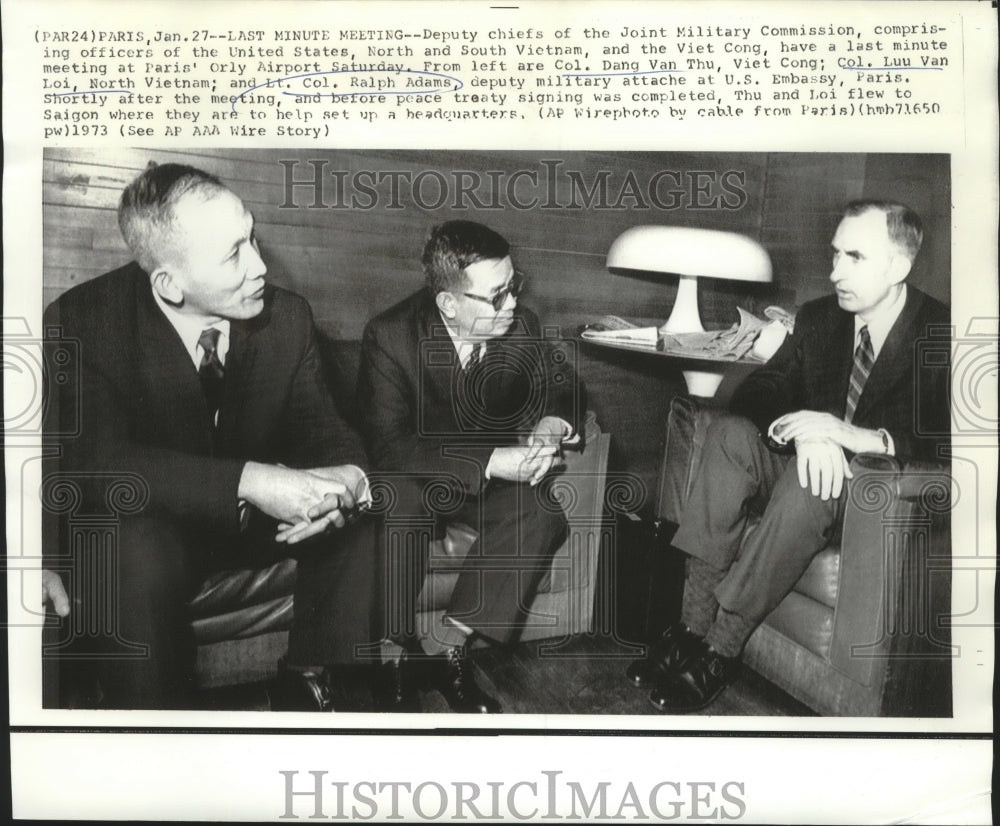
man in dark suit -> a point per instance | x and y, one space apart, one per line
844 382
460 391
202 382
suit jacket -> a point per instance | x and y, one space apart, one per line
417 418
907 392
142 409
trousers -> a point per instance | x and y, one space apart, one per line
736 475
518 528
148 660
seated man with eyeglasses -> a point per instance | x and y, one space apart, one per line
462 396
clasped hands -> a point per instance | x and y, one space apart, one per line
540 454
305 502
820 441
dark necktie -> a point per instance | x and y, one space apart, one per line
470 399
474 360
864 358
211 371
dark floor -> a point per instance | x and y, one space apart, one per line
585 676
581 675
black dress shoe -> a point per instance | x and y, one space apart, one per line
697 685
352 687
292 690
451 674
395 687
665 656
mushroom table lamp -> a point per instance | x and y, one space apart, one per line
690 253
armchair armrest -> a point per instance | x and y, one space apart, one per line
888 604
914 480
890 627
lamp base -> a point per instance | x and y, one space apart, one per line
684 317
702 383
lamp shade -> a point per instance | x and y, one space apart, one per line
690 251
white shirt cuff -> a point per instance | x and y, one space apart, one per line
890 445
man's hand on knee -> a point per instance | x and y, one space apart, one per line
822 467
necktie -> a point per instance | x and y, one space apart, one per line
210 370
475 358
470 399
864 358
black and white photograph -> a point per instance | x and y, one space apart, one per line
482 432
431 411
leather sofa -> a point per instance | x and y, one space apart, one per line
864 632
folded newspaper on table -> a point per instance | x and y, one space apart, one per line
614 330
733 343
728 345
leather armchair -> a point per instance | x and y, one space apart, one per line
864 632
241 618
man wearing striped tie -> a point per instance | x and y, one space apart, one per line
844 382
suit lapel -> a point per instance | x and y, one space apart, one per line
238 387
435 356
838 368
895 358
171 384
511 365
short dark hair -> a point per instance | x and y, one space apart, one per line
146 207
902 223
453 246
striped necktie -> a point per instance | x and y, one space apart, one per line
475 357
864 358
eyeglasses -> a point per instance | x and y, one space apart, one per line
513 288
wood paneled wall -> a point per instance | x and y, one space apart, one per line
352 263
